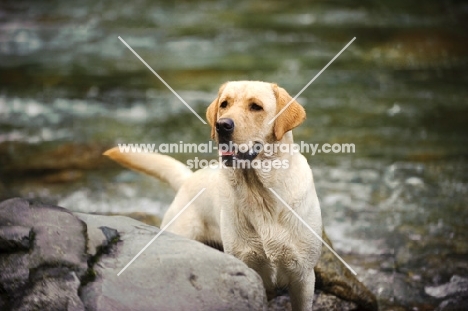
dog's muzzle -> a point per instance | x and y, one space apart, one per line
228 150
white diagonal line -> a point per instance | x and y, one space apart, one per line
162 80
310 82
312 230
160 232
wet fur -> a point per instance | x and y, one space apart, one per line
237 210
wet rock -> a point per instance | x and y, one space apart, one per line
325 302
453 304
457 285
43 256
333 277
343 286
13 238
97 240
172 274
322 302
407 293
51 289
53 260
280 303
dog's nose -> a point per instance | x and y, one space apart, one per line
225 126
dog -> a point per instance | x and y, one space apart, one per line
243 208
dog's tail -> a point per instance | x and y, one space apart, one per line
157 165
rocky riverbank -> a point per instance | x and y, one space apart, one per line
53 259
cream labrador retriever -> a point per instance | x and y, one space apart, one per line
239 210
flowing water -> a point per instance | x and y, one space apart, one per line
396 208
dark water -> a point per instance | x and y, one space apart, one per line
396 208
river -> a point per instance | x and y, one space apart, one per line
396 208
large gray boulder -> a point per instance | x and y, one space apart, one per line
173 273
51 259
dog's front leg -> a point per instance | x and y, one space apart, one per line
248 249
302 293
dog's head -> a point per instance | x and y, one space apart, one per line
242 112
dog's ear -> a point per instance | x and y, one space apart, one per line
212 112
291 117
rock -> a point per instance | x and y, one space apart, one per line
49 255
173 273
326 302
280 303
43 256
453 304
51 289
322 302
457 285
149 219
336 282
332 281
13 238
333 277
52 259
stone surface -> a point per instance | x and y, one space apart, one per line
322 302
333 277
52 259
453 304
457 285
454 294
14 238
173 273
43 257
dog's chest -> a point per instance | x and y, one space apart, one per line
269 247
265 234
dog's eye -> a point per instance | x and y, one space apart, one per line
223 104
255 107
